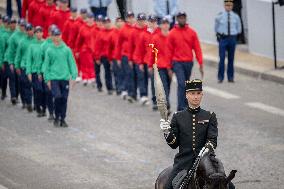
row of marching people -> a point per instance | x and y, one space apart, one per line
39 71
124 53
123 49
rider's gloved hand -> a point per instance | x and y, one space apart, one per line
165 125
209 147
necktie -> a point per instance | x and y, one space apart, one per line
100 3
229 24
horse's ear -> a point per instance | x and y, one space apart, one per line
231 176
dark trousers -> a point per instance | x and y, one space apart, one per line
25 88
154 99
132 81
183 73
13 83
39 92
124 73
166 80
9 10
117 76
4 78
49 100
227 45
142 79
108 77
60 92
99 11
121 4
1 72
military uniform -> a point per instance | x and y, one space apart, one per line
227 27
191 129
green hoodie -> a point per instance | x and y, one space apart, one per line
34 58
59 63
13 43
44 47
21 54
4 36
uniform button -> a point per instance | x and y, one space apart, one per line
193 148
193 128
193 115
193 132
193 140
193 119
193 124
193 136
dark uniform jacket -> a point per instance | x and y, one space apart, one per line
190 130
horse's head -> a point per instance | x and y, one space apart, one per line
216 181
212 174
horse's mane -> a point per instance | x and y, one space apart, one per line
212 166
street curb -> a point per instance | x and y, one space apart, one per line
250 73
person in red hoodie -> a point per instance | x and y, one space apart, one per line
119 23
147 36
84 49
33 13
160 41
44 14
70 29
137 52
122 52
25 7
80 22
60 15
102 46
182 42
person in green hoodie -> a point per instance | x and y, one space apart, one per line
9 26
20 65
9 57
60 71
33 71
1 29
48 94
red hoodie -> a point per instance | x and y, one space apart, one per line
70 32
44 14
85 38
80 22
148 39
182 42
123 41
25 7
160 41
136 45
33 14
59 17
102 43
113 43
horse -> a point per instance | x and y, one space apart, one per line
210 174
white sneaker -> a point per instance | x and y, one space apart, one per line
85 82
124 95
78 79
144 100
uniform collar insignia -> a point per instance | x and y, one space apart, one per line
194 110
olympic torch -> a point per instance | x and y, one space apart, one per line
159 88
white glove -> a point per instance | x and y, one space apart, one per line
165 125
